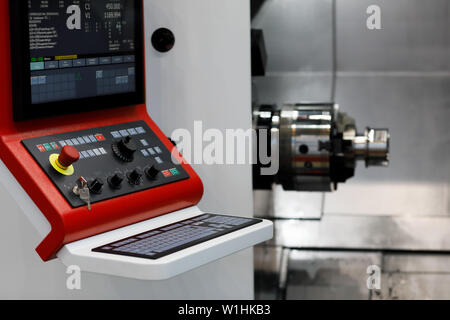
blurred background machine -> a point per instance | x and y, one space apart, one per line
390 218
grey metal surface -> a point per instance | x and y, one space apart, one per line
288 204
329 275
292 88
419 286
268 271
299 40
415 277
290 29
365 233
410 263
343 275
417 110
415 36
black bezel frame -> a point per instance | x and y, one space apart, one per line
23 109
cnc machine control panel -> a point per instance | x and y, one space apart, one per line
70 59
113 161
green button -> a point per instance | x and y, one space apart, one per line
174 172
48 147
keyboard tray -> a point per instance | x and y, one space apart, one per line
169 239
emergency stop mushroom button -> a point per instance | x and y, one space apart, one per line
68 156
63 162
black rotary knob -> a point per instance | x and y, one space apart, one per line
125 149
96 186
116 180
135 177
152 171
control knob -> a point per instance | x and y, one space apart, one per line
96 186
152 171
135 177
116 180
124 149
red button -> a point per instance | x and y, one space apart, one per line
167 173
68 156
41 148
100 137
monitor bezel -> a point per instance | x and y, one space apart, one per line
24 109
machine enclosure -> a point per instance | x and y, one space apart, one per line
68 224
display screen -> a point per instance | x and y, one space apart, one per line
88 51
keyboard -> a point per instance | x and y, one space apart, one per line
166 240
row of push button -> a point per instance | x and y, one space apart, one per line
71 142
92 153
128 132
151 151
83 140
73 61
157 159
48 147
171 173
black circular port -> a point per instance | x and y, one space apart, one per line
308 165
304 149
163 40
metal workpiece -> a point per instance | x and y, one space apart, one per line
304 161
372 146
375 145
318 146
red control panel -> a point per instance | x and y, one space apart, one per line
71 223
105 162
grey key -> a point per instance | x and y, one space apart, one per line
86 196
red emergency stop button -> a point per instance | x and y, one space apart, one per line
68 156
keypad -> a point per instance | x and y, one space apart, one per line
166 240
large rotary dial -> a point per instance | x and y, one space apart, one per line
124 149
